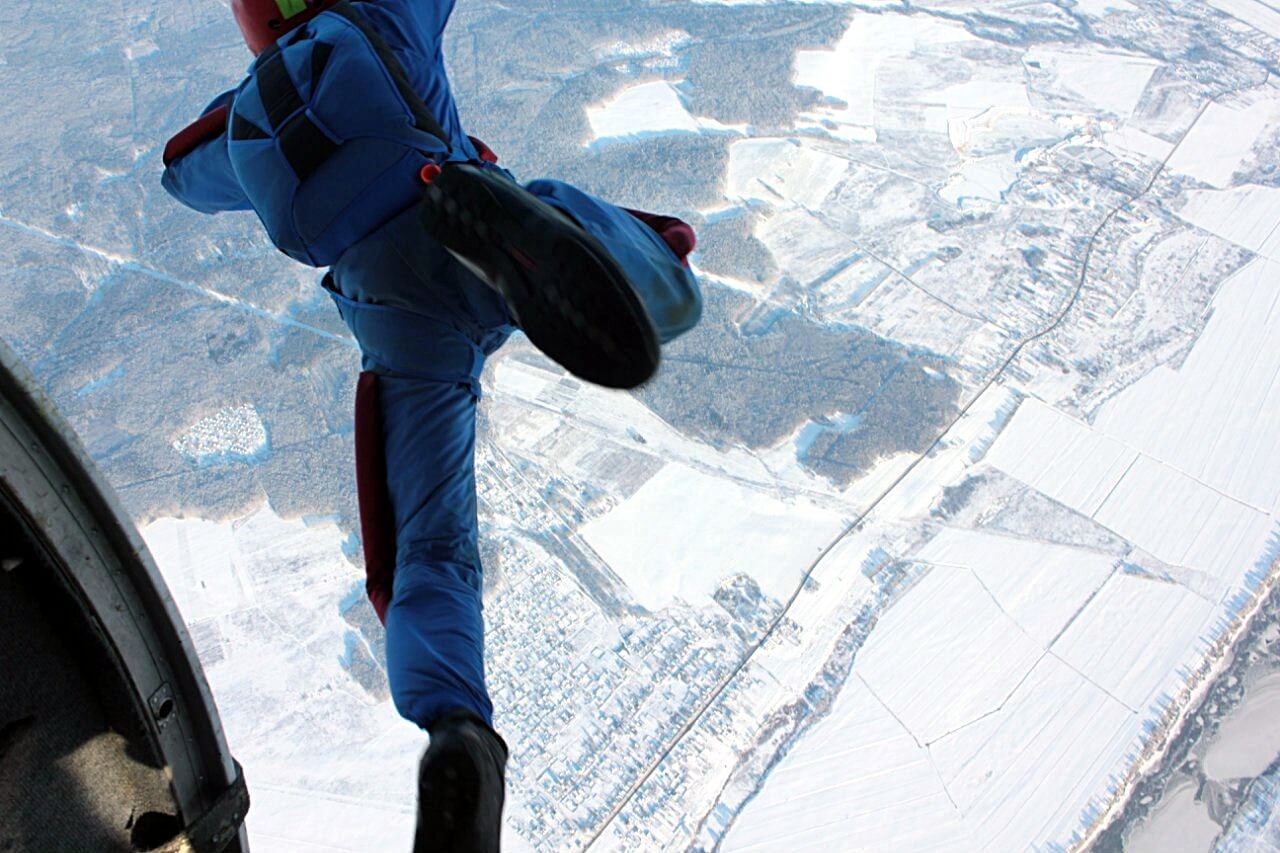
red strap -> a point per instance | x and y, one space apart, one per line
377 522
485 152
676 233
211 125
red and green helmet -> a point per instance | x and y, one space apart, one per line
264 21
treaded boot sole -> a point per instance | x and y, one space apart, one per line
448 798
567 293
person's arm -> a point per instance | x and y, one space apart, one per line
197 164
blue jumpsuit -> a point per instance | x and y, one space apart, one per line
425 326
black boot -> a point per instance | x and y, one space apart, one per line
461 787
566 291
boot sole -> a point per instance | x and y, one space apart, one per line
567 293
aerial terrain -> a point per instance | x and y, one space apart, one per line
955 525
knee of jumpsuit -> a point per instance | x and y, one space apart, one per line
666 286
399 266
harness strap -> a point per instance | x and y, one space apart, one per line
242 128
305 145
280 97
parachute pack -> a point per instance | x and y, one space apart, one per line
321 168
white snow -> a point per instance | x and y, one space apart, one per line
1248 740
302 821
1137 142
859 776
1102 8
645 111
1040 585
684 532
1184 522
199 562
1218 143
1255 13
1002 130
663 44
972 98
1180 821
848 73
945 655
782 172
803 245
1248 216
648 109
1105 479
837 580
216 568
1025 776
140 49
1134 635
1109 81
1060 456
263 597
984 179
1209 418
237 431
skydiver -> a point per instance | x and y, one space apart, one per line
436 256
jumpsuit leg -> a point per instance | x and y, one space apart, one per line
435 630
425 325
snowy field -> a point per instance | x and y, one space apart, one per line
1041 586
1221 140
1256 13
262 597
879 789
1244 215
685 532
646 111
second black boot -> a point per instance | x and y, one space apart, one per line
461 787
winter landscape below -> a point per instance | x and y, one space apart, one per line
955 525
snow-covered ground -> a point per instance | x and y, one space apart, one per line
648 110
1220 141
684 533
262 596
1256 13
879 789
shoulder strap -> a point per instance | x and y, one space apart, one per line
304 145
424 119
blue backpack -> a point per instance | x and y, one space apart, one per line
322 168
